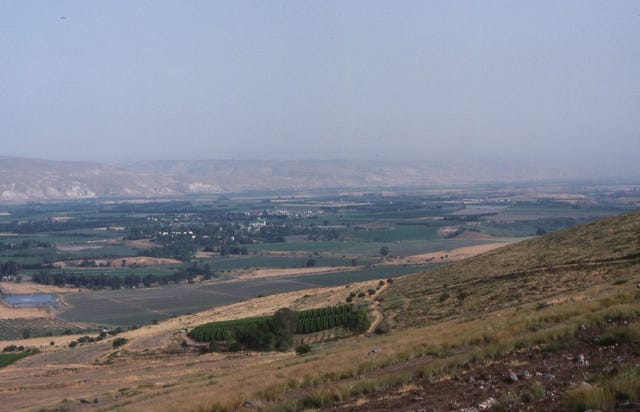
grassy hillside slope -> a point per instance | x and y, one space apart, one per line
538 269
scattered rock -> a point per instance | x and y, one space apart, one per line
374 351
487 404
418 398
249 405
524 375
582 361
85 401
512 377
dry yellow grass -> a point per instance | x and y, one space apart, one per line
13 288
44 342
143 377
7 312
145 366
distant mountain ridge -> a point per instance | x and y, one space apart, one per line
25 180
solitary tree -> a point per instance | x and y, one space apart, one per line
384 251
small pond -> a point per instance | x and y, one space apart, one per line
31 300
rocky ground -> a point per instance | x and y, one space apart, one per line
534 379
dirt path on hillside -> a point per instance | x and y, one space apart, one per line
377 312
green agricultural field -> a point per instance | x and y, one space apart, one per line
7 359
336 247
106 251
396 233
372 249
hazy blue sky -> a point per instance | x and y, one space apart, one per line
107 80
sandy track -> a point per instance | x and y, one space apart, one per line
267 273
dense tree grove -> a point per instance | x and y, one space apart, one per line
276 332
24 245
9 268
102 281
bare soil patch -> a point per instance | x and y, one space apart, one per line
118 262
470 234
7 312
75 247
267 273
205 255
141 244
45 342
13 288
145 260
456 232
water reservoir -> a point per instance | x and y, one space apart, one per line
31 300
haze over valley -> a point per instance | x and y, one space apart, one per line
296 205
